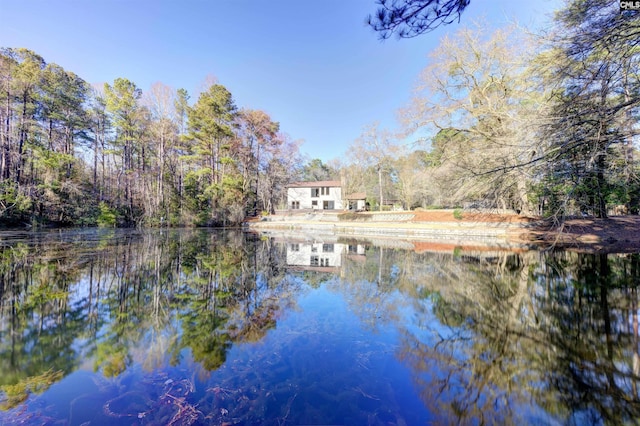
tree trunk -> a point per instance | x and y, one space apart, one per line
6 149
601 206
161 171
95 162
23 137
380 187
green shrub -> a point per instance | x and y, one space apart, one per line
107 217
457 213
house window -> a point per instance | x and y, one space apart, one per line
328 205
315 192
327 248
294 247
315 261
314 203
295 205
324 262
325 190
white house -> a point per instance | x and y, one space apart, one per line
321 195
316 254
325 256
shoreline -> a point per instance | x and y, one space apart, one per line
618 234
445 232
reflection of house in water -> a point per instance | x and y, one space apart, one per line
320 256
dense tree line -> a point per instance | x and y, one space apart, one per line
539 124
113 155
501 119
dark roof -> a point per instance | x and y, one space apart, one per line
330 183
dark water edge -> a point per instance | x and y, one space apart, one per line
225 327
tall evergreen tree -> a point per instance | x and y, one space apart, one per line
211 130
122 104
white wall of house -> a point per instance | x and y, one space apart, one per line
315 254
357 204
321 198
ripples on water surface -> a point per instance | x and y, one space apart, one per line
211 327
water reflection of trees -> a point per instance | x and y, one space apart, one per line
372 283
500 332
489 333
118 297
590 310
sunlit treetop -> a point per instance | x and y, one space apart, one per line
411 18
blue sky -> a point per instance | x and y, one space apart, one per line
312 65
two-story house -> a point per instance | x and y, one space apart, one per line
321 195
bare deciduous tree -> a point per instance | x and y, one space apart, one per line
477 93
375 148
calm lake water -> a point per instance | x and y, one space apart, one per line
181 327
